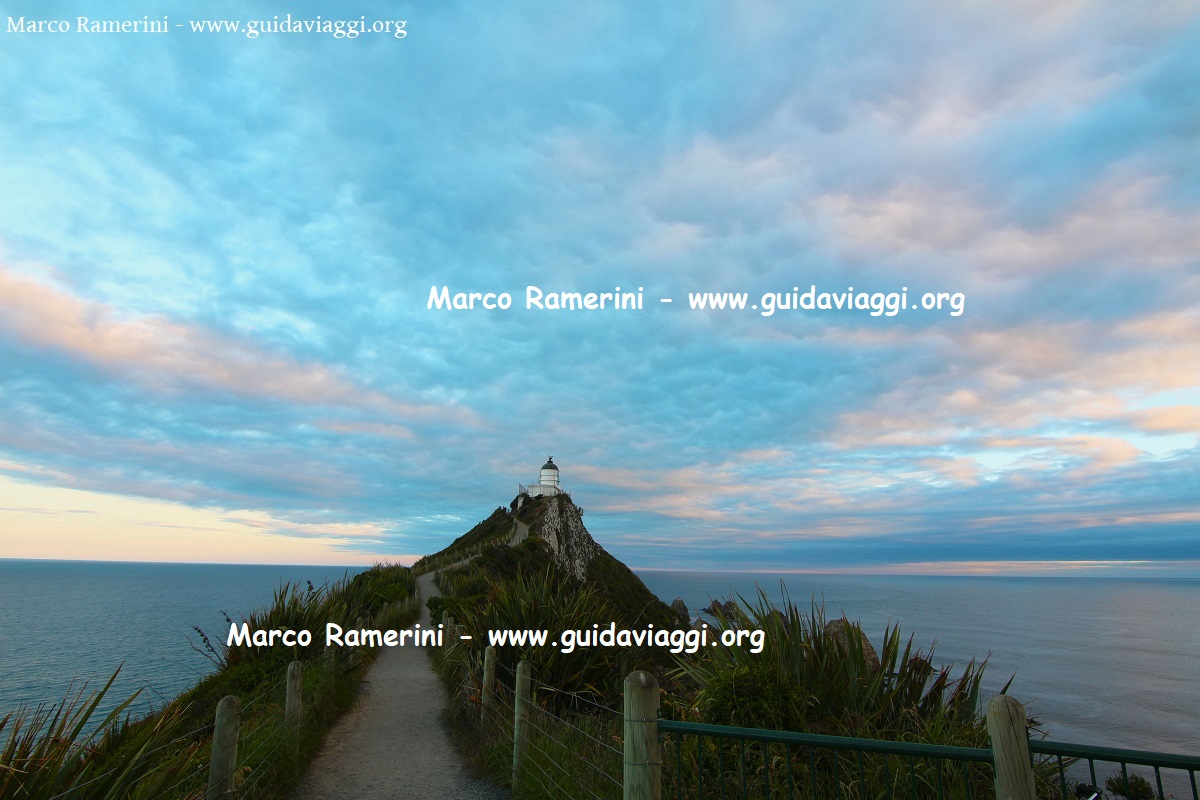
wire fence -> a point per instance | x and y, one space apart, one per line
74 791
569 745
188 786
267 746
266 749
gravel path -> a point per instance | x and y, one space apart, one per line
395 743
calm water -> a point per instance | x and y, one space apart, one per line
1099 661
65 620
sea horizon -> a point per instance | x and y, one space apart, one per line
1119 575
1108 667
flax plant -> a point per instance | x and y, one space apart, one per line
814 678
545 602
48 751
833 686
354 601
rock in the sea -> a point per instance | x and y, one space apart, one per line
841 629
728 609
681 610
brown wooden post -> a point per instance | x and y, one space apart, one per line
224 750
643 766
520 720
294 704
489 678
1010 749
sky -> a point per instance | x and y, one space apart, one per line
217 252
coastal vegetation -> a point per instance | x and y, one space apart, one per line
489 584
816 675
64 751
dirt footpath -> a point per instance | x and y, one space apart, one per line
395 742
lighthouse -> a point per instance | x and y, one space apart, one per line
547 483
549 474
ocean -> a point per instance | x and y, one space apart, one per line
66 622
1099 661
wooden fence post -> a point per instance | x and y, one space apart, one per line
489 678
224 749
294 703
643 766
447 631
520 719
1010 749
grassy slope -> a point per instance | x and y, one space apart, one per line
614 582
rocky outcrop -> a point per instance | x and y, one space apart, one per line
728 609
842 629
560 526
681 610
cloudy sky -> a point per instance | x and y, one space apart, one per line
217 250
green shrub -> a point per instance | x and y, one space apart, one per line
844 691
754 696
1138 789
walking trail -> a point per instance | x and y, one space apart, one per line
395 743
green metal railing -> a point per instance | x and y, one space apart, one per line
1069 758
727 762
719 761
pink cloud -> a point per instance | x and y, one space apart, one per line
167 356
1167 419
1118 222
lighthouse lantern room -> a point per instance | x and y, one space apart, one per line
547 484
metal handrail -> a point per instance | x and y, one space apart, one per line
916 749
1116 755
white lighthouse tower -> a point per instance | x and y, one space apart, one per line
547 484
549 475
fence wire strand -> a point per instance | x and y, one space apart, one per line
568 748
190 776
269 690
580 730
575 695
267 740
74 789
562 792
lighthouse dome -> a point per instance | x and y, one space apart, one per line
547 482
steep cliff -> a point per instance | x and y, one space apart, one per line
559 523
537 531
